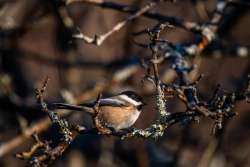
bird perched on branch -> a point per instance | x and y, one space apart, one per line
111 114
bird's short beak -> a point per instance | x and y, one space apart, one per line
143 103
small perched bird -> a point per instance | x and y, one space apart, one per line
113 113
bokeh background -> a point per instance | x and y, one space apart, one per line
36 41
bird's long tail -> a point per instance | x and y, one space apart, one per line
87 109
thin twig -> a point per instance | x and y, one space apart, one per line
99 39
176 21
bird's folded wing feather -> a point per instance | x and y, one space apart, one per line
112 102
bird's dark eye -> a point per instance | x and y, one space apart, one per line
139 107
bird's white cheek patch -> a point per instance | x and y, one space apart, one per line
126 98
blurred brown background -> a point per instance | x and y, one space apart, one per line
35 42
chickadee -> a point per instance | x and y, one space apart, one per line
114 113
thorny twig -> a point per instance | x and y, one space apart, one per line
62 124
49 154
42 154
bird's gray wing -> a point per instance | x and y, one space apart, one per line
112 102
